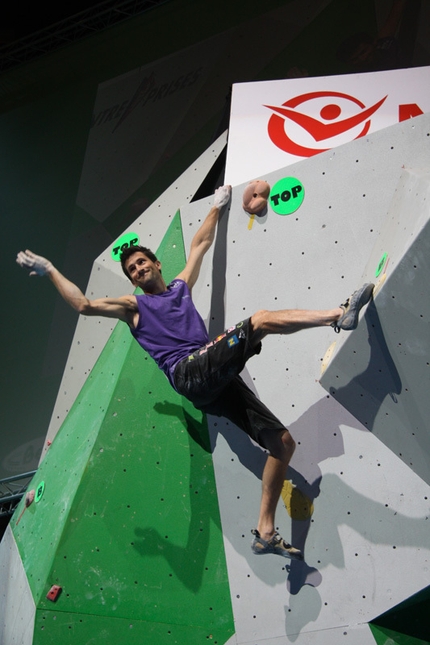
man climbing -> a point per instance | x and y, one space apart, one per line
167 325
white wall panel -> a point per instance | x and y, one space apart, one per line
17 608
369 530
381 373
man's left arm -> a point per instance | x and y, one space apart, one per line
202 240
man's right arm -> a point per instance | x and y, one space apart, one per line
204 237
124 308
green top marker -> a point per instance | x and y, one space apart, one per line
286 196
122 243
381 265
39 492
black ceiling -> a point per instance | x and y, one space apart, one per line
21 18
29 30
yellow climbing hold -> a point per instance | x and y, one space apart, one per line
379 284
327 357
298 505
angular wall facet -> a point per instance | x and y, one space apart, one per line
128 523
369 527
381 372
405 624
17 608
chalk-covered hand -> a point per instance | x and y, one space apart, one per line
36 264
222 196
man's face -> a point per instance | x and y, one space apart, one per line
143 272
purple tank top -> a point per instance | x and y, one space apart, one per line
169 327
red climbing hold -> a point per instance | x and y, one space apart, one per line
53 593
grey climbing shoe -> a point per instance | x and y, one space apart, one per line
276 545
351 308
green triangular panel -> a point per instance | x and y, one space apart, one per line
384 636
128 524
408 620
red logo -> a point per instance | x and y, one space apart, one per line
329 125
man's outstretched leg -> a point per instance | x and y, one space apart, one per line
289 321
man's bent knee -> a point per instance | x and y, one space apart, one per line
281 445
289 443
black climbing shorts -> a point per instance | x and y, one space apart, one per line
210 379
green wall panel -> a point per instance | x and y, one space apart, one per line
79 629
407 623
129 522
42 524
385 636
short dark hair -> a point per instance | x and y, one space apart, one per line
136 249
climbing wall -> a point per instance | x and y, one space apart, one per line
126 512
381 374
25 561
107 278
358 510
131 462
